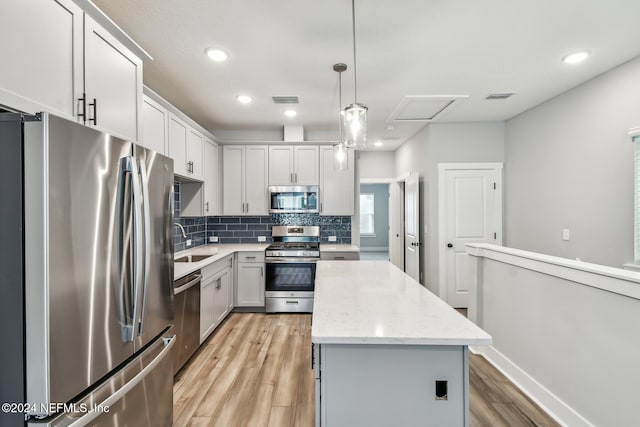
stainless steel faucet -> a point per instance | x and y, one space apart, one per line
182 229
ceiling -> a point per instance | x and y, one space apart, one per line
465 48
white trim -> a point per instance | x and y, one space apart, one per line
465 166
542 396
634 131
631 266
616 280
377 180
403 177
442 238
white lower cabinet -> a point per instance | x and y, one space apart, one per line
215 287
250 280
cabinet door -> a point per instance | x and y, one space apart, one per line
41 51
112 82
281 165
221 300
178 145
195 148
155 119
256 177
306 165
250 285
211 182
337 193
207 314
233 181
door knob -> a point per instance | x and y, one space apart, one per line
449 245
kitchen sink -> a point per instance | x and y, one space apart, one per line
191 258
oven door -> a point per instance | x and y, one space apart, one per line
290 274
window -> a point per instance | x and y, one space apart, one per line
367 219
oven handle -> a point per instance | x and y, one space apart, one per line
283 260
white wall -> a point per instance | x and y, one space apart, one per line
567 332
444 143
377 165
569 164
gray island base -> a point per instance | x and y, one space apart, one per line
386 351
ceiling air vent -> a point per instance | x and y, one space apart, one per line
501 95
285 99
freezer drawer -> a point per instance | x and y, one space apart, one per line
140 394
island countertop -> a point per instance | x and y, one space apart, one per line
374 302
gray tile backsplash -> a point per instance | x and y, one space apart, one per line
247 229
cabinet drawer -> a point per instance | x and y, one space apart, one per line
250 256
216 267
339 256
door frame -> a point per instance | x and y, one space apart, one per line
389 182
442 240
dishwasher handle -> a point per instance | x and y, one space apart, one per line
188 285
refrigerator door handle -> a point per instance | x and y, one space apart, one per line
138 249
125 292
121 392
147 240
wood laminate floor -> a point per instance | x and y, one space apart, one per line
255 370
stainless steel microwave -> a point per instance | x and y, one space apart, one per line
293 199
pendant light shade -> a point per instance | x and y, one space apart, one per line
354 123
340 157
354 116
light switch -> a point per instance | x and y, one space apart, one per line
565 234
188 242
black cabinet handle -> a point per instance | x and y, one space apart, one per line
94 104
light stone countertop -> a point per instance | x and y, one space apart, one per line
374 302
332 247
181 269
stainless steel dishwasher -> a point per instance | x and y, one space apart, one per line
187 318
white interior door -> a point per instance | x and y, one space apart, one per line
470 212
396 224
412 226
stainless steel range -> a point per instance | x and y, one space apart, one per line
291 268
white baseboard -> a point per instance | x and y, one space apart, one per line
373 249
549 402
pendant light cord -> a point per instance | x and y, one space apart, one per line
355 73
340 105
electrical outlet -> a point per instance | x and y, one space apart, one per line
188 242
213 239
262 238
566 235
333 238
442 392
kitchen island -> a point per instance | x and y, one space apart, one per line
386 350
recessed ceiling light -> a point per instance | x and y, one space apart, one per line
576 57
290 113
244 99
378 144
217 55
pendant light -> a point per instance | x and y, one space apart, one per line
354 116
340 150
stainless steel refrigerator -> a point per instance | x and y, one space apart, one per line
87 274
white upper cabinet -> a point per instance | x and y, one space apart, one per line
212 179
41 52
185 148
337 192
57 59
306 164
155 121
195 153
245 179
293 165
112 83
